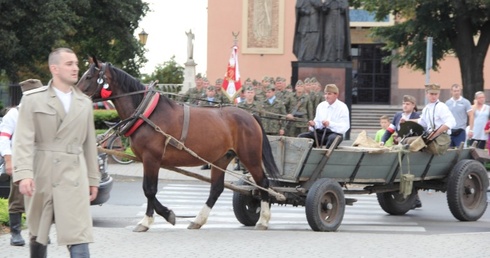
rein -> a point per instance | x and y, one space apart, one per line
121 95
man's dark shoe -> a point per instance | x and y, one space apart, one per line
205 167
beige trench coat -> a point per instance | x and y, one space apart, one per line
59 151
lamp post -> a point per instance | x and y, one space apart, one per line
143 37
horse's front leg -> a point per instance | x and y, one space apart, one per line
217 187
150 188
265 211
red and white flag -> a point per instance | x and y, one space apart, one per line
231 83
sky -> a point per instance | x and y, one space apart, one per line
166 24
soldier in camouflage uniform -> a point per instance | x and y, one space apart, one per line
259 92
211 99
300 112
193 95
266 81
273 124
282 93
250 104
316 93
220 96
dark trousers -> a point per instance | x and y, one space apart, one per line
324 136
457 137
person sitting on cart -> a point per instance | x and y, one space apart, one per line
331 119
436 117
409 111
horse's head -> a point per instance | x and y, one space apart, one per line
96 81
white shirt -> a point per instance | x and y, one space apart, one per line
7 128
431 120
65 98
337 114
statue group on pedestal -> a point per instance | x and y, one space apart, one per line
322 30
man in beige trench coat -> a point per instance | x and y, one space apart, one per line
55 159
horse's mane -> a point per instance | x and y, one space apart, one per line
127 83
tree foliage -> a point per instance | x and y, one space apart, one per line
458 27
170 72
30 30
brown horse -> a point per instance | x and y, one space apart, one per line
215 134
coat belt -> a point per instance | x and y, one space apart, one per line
70 148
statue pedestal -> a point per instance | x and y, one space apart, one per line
338 73
189 76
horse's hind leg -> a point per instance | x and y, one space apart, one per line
217 187
150 187
254 166
265 211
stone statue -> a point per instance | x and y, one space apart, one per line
322 30
307 44
190 44
336 31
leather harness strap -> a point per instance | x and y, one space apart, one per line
185 127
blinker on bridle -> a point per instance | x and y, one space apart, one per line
102 83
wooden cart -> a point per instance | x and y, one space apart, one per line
319 179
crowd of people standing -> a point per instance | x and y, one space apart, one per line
283 111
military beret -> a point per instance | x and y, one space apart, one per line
280 79
271 87
211 87
300 82
30 84
306 80
249 88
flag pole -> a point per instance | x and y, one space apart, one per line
231 82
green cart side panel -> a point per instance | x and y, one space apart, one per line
380 167
296 159
289 154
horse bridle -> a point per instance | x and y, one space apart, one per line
103 85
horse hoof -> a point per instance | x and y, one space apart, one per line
140 228
194 226
171 217
260 227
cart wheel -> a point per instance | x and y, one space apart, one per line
394 203
246 207
325 205
467 190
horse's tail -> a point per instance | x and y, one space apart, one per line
267 157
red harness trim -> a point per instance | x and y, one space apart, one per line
5 134
147 113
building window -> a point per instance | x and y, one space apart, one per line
371 77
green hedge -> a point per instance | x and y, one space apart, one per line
104 115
